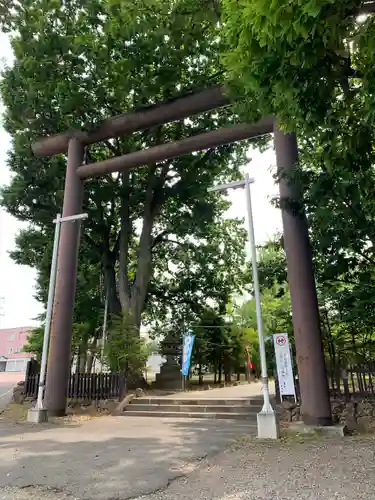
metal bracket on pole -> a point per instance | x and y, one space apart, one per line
70 218
231 185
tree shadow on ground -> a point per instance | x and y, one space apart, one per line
109 457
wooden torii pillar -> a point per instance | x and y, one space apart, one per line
310 357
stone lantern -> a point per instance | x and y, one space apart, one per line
170 372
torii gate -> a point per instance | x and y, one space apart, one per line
306 322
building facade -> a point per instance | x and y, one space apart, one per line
12 340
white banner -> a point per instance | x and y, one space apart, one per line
284 365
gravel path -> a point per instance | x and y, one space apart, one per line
32 493
314 469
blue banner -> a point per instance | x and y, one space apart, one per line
186 353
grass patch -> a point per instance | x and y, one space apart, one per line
15 413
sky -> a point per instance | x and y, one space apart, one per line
18 308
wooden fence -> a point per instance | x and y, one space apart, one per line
82 386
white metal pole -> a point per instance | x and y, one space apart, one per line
182 360
268 427
47 327
104 329
267 408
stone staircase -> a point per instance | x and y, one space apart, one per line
230 409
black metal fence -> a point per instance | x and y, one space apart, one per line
354 381
81 386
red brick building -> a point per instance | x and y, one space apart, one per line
12 340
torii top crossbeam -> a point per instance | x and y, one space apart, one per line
159 114
127 123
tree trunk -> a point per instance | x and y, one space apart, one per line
82 361
77 363
125 233
90 362
354 346
331 348
227 368
81 357
114 305
133 297
144 271
91 356
122 385
331 344
337 373
248 373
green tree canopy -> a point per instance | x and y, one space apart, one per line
311 63
154 233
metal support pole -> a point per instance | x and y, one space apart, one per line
268 427
316 408
104 335
183 378
47 326
61 334
267 408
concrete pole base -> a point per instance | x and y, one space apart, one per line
37 415
268 425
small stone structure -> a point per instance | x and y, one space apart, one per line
18 396
290 412
357 414
170 372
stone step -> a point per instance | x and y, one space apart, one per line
247 410
176 414
200 402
